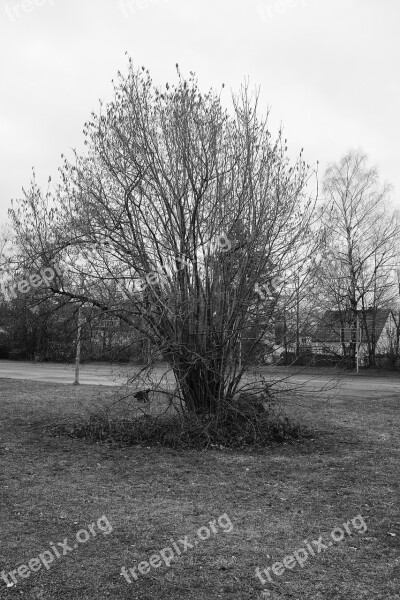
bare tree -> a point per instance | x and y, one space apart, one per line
361 231
6 240
175 214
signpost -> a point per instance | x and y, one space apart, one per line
358 338
81 320
78 346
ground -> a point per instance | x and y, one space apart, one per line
277 500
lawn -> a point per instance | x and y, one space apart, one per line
277 500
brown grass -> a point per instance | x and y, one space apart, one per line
52 487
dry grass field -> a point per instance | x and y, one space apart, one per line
277 499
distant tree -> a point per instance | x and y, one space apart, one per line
356 275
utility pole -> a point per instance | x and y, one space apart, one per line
358 340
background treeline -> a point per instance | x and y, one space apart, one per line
167 175
46 334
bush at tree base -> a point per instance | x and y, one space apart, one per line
232 429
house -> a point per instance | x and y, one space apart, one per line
3 341
372 332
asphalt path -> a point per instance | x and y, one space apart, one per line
117 375
356 386
90 374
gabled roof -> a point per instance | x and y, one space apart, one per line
306 331
335 324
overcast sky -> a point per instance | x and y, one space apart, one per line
329 70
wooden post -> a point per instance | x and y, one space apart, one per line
78 334
78 348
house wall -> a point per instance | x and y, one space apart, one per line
384 343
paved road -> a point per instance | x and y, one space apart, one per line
103 374
355 386
91 374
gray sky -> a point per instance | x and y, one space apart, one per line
327 69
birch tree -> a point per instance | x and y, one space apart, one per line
361 234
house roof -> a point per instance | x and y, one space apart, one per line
282 332
335 324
